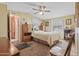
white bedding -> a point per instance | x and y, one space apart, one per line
49 37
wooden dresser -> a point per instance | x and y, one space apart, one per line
26 36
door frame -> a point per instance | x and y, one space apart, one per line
9 26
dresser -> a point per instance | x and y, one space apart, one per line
26 36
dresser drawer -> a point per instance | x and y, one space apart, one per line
27 38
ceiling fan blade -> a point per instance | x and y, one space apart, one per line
46 10
36 9
36 12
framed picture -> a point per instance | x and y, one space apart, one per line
68 21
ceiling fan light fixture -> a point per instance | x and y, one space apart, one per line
41 13
41 10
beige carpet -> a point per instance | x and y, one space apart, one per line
36 49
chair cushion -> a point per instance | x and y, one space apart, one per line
60 48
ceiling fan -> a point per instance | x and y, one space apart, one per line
42 9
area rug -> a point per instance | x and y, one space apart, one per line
21 46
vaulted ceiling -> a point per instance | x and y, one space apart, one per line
57 8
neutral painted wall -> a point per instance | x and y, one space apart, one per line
4 42
3 20
57 24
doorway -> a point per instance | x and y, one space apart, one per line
14 28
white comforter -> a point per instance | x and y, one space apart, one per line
49 37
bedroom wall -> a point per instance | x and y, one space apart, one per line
3 20
4 41
36 23
57 24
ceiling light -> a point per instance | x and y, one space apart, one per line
41 13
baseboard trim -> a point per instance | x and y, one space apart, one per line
41 41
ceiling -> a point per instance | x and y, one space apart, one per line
57 9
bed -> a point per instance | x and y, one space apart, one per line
48 37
